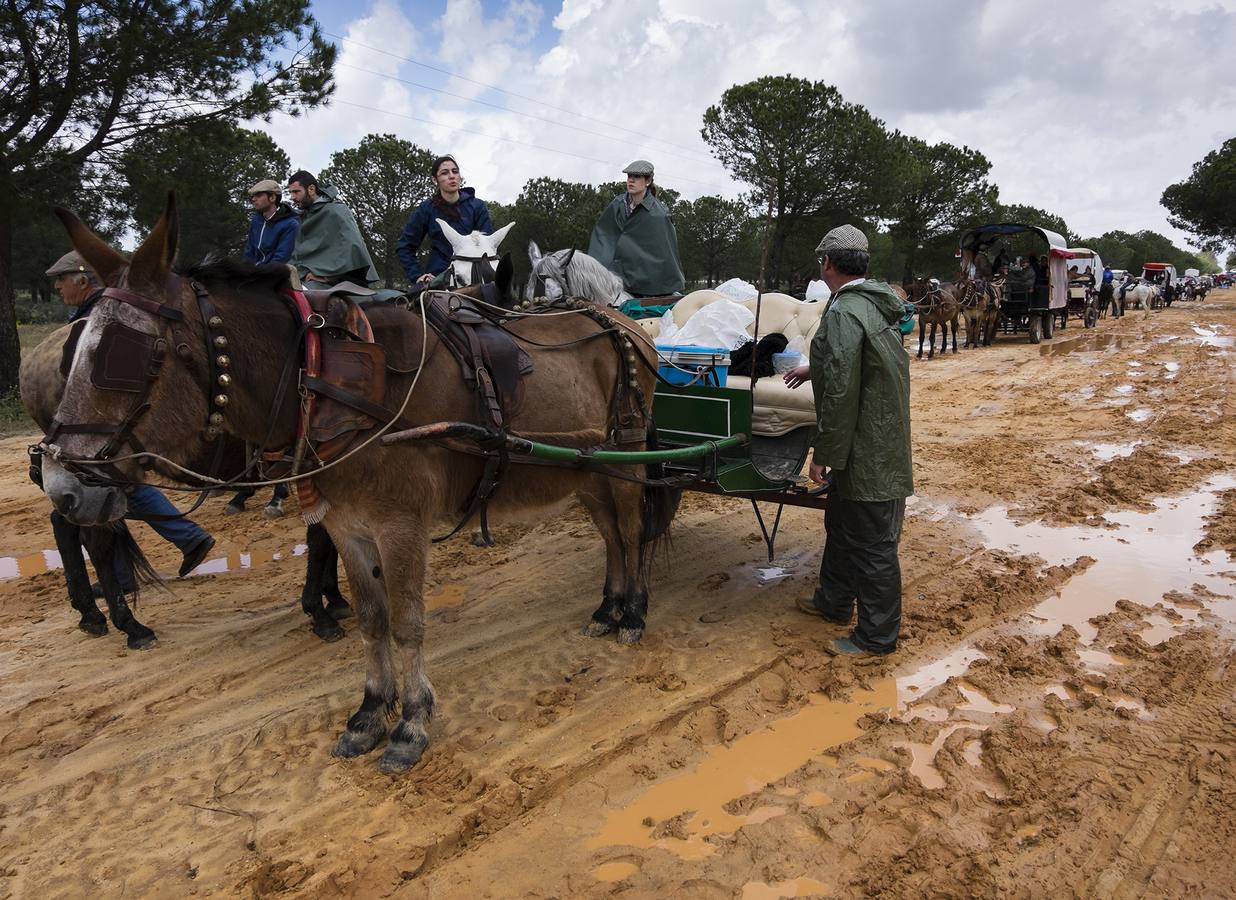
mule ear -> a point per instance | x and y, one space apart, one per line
456 239
566 260
534 252
101 256
504 277
502 232
153 259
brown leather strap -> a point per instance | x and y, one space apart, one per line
369 408
150 305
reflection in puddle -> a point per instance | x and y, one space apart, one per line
923 756
1108 452
1100 659
1124 389
1086 343
1140 415
1210 337
31 564
977 701
798 887
1059 690
235 561
747 765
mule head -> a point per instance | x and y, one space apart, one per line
548 277
127 374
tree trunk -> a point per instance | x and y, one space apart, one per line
10 349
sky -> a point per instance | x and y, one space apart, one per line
1087 109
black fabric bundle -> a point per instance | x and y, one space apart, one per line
741 359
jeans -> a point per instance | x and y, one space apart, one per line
860 567
148 500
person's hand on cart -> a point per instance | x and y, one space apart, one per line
797 376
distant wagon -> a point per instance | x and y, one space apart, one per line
1022 308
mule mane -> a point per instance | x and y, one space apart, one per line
229 270
591 279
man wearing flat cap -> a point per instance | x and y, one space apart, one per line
273 226
79 287
635 238
860 375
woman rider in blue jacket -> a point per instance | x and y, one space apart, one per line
453 204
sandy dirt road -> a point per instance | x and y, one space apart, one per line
1060 718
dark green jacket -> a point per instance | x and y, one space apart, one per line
641 248
861 378
329 244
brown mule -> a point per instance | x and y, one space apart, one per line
937 304
384 502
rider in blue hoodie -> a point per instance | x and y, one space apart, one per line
273 227
455 205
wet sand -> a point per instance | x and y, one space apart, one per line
1059 719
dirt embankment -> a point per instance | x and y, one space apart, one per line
999 751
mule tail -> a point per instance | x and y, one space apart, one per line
660 505
115 549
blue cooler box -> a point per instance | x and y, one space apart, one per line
689 364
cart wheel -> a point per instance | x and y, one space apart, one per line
1049 325
1035 328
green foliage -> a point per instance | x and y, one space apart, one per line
1205 203
804 151
1122 250
941 189
709 232
1032 215
382 180
210 166
1230 262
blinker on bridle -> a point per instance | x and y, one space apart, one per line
130 360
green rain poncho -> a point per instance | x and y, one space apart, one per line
860 375
641 247
329 244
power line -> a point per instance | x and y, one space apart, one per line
494 87
496 137
507 109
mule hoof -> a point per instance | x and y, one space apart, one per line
598 629
142 641
399 757
352 743
95 626
630 635
339 609
328 631
479 541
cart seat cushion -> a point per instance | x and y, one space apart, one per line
778 410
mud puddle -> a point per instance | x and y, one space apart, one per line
32 564
1140 561
1086 343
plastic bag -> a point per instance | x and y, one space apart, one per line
737 289
720 324
797 344
669 327
816 291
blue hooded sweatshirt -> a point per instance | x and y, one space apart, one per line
271 240
473 215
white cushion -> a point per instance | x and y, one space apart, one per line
778 409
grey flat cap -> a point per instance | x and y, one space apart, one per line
843 237
266 186
69 264
639 167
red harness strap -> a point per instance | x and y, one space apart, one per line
306 491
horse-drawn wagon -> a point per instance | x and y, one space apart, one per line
1025 306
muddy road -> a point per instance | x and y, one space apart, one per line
1060 718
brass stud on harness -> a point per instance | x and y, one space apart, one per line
211 432
220 399
223 361
225 380
220 341
215 322
216 418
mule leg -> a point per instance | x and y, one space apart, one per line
922 332
77 579
628 500
367 726
101 545
336 603
931 342
599 504
321 563
954 324
404 551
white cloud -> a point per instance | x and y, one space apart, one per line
1089 111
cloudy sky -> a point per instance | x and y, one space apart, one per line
1088 109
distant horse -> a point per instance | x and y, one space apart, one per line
979 300
1141 296
572 273
936 304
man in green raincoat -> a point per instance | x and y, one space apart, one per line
860 375
329 247
635 238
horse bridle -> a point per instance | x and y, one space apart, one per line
482 268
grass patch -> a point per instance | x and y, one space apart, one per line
31 335
13 418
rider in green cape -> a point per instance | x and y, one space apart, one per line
635 238
329 246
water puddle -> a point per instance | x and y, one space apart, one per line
1140 415
1107 452
816 798
977 701
1085 344
1124 389
972 752
1210 337
747 765
923 756
798 887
